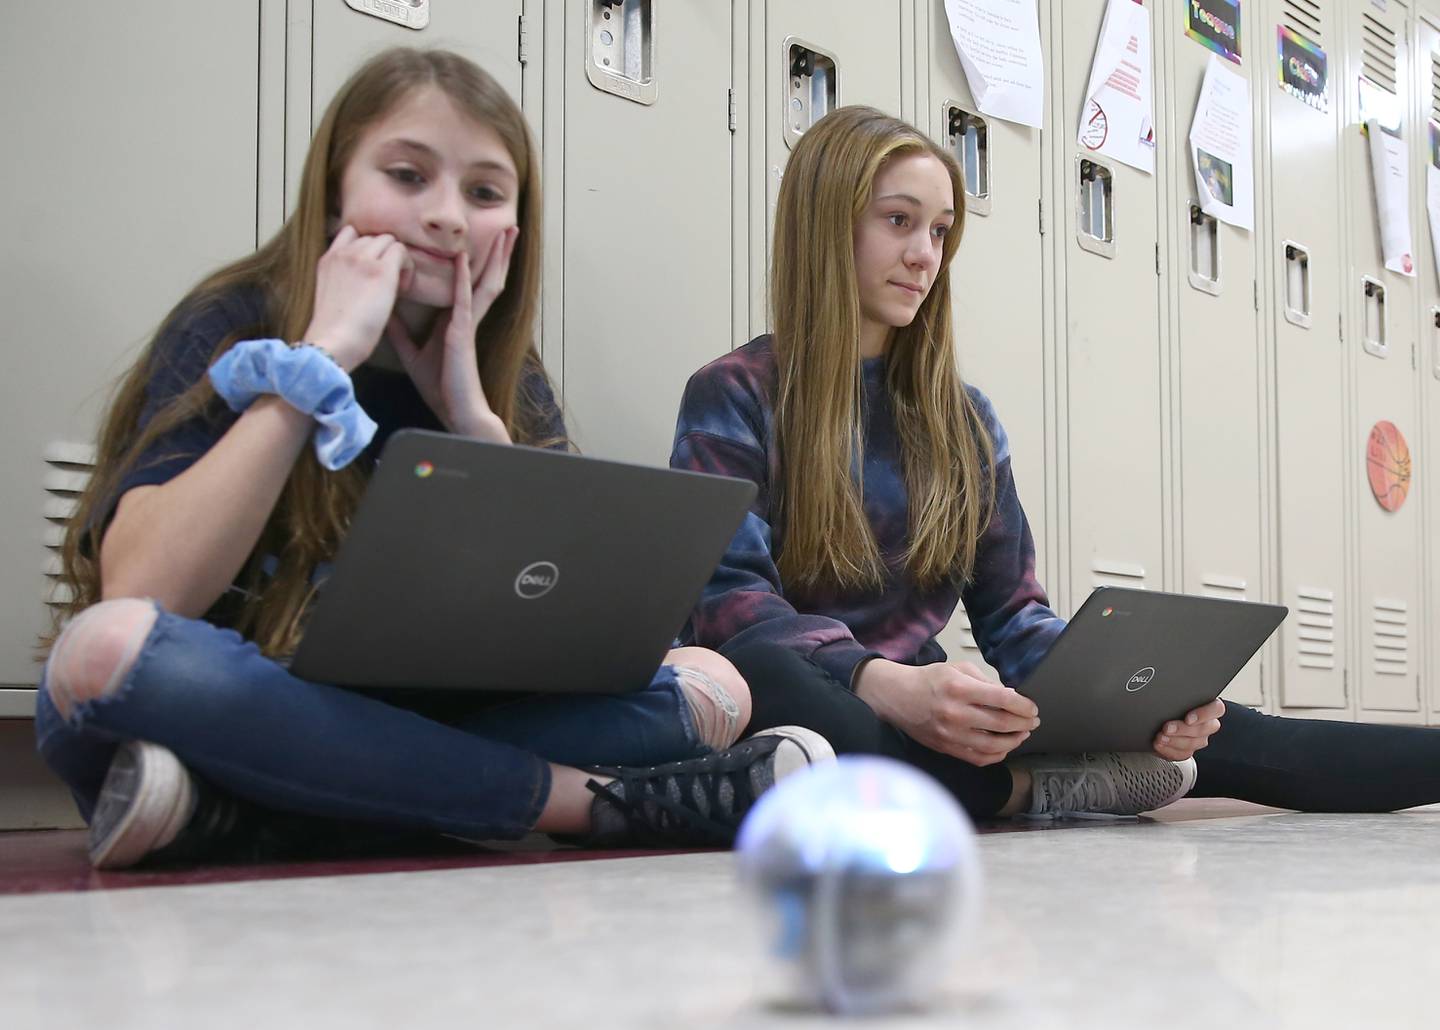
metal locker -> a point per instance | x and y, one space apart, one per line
1302 198
1108 338
1216 349
1000 260
807 57
644 215
145 182
1381 348
1426 82
339 35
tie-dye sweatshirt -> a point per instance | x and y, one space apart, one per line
726 426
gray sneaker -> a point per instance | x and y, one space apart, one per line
699 802
1105 784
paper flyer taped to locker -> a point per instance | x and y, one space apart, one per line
999 46
1392 197
1117 120
1432 192
1221 147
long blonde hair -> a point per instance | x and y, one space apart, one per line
815 308
315 507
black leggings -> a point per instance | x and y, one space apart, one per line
1306 764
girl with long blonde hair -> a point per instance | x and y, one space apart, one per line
402 292
886 498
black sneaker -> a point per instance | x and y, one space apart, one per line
152 810
699 802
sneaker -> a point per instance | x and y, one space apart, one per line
699 802
1123 784
152 809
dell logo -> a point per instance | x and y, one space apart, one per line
1141 679
536 580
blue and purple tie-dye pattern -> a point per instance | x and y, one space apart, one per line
726 427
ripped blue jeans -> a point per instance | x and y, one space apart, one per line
460 764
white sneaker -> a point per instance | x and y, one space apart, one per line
145 802
1110 783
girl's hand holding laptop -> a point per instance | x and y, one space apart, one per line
1180 739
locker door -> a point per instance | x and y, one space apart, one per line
1001 342
1382 353
1302 196
132 173
851 49
343 38
1110 339
647 217
1215 327
1426 81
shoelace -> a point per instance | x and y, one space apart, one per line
657 824
1093 791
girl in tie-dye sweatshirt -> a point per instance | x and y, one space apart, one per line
886 498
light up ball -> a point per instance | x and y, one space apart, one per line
868 881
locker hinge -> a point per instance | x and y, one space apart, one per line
524 53
732 110
1340 327
1157 259
1345 685
1040 204
1256 284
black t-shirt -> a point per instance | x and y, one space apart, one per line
183 354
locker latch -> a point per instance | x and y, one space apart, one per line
1095 207
1204 251
968 136
811 87
1297 284
620 48
1375 337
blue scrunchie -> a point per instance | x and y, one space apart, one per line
308 380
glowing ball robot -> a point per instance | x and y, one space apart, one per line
868 879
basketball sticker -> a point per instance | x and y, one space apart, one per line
1387 460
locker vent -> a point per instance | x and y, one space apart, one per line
1435 88
1381 65
1391 637
1304 17
67 472
967 638
1315 627
1117 574
1228 588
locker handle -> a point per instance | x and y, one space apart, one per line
1375 337
1435 343
620 48
1095 207
1297 284
1204 251
812 87
967 135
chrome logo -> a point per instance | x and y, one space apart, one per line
423 470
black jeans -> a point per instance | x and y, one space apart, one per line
1306 764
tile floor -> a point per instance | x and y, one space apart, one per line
1222 916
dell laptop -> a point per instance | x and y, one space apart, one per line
1131 660
477 566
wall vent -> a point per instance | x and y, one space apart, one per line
1315 627
68 467
1380 47
1391 638
1109 573
1304 17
